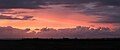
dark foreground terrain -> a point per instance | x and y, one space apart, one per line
60 44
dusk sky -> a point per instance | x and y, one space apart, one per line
22 14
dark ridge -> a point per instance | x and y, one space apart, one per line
60 44
64 39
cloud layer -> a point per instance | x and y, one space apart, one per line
15 18
25 4
108 10
78 32
10 32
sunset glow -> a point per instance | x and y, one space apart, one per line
59 14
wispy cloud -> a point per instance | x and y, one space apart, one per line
15 18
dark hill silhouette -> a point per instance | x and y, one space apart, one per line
59 44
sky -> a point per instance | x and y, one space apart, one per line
59 14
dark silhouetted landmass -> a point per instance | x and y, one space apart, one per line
59 44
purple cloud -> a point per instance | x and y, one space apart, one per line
78 32
10 32
15 18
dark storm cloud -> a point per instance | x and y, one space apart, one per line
102 2
15 18
110 19
108 10
107 14
7 4
33 4
25 4
111 2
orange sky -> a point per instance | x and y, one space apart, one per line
56 17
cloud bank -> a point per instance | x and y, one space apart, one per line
10 32
77 32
